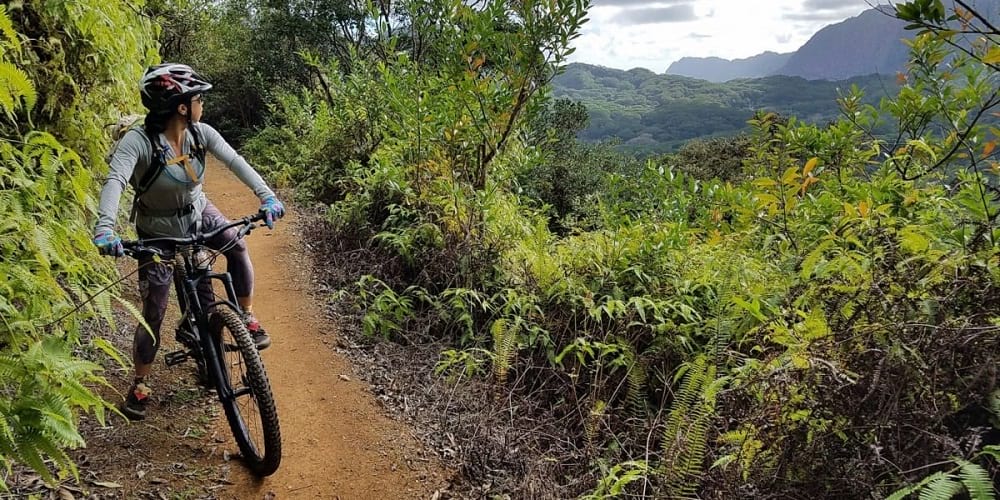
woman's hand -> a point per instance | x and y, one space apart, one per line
272 210
108 243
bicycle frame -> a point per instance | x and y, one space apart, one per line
186 286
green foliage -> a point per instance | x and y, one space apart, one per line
718 158
782 298
250 49
966 478
686 431
61 64
568 175
615 482
462 363
504 348
385 309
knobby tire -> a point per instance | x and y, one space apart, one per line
246 412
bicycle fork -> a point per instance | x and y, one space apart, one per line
204 334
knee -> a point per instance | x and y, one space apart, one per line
154 299
237 245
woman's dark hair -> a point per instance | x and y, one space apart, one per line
156 123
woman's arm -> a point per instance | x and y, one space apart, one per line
130 150
221 149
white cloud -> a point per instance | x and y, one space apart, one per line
634 33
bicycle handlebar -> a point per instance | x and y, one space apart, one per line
135 247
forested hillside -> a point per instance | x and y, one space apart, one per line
809 311
657 113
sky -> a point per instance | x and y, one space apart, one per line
626 34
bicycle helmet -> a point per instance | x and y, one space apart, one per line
164 86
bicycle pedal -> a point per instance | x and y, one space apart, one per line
177 357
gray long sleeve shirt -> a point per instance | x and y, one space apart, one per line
173 188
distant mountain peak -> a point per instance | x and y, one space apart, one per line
861 45
870 42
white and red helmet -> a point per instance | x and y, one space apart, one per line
164 86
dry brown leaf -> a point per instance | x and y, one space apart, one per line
106 484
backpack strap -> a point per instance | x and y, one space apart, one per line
157 163
199 148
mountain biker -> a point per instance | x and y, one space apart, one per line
169 148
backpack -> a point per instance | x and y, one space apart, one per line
129 123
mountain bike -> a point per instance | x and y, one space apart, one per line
214 336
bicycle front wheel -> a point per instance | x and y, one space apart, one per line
246 393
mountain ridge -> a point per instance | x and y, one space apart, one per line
860 45
649 112
717 69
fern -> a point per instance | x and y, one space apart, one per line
613 484
971 479
591 424
47 196
749 450
504 348
942 488
15 86
10 38
136 314
686 430
635 395
976 480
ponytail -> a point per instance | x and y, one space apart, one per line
156 122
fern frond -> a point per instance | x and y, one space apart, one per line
504 348
59 456
685 435
904 492
10 38
976 480
942 488
635 395
592 423
29 453
133 310
108 348
15 86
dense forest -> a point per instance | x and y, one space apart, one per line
808 310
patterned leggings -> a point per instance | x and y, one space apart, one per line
155 280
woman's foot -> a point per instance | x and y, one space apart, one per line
135 404
257 332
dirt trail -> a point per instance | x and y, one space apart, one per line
337 443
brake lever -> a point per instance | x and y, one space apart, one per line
135 250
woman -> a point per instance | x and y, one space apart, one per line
164 160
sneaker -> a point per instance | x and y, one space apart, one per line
257 332
136 401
